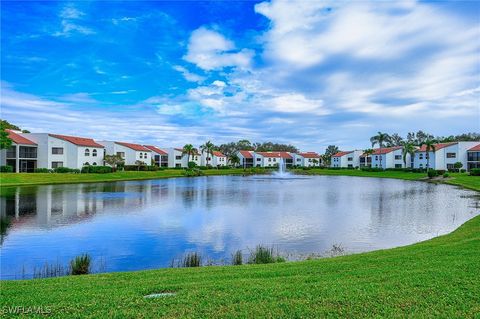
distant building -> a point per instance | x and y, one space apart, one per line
176 158
22 155
54 150
131 153
246 158
307 159
444 157
348 159
473 157
389 157
216 159
159 157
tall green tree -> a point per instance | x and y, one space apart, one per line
329 152
429 147
190 151
234 160
380 139
408 148
367 153
5 141
208 149
113 161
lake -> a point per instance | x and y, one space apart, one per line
138 225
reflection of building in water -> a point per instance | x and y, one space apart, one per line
51 205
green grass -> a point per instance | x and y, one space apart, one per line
19 179
435 278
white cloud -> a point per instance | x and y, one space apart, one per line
210 50
70 18
189 76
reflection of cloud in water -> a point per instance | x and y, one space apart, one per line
145 224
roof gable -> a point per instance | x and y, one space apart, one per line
135 147
156 149
340 154
476 148
246 154
19 139
79 141
438 146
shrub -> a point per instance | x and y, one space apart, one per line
372 169
80 265
264 255
66 170
237 258
42 170
192 172
135 167
445 175
440 171
6 169
432 173
192 164
475 172
192 260
462 170
97 169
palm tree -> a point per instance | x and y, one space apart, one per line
408 148
234 159
208 148
429 147
367 153
380 139
189 150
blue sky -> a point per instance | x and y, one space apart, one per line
311 73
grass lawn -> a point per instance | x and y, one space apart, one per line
18 179
435 278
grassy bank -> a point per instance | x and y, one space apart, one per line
19 179
435 278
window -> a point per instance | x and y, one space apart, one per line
376 157
86 164
12 152
274 159
57 151
178 158
94 163
349 159
398 157
269 159
57 164
121 154
258 159
178 165
94 153
420 156
141 155
87 152
421 165
309 160
299 159
398 165
450 166
473 156
451 155
350 165
28 152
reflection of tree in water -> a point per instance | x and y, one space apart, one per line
5 223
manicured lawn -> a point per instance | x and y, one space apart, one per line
435 278
14 179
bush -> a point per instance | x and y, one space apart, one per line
42 170
6 169
372 169
237 258
462 170
475 172
192 260
440 171
445 175
80 265
66 170
432 173
135 168
192 164
97 169
263 255
193 172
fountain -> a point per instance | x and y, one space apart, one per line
282 173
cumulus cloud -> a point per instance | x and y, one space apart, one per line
189 76
210 50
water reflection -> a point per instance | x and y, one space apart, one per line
145 224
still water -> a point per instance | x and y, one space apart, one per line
146 224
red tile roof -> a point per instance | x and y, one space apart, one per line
135 147
181 150
156 149
437 146
218 154
18 139
275 154
310 155
385 150
246 154
80 141
476 148
340 154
